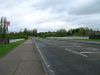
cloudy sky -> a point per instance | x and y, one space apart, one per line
50 15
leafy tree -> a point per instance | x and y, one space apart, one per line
25 31
3 27
61 33
34 32
80 32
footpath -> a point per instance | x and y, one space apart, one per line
23 60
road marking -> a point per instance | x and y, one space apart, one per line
51 70
76 52
89 52
48 65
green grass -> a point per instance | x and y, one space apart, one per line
5 49
94 40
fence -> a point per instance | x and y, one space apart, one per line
4 41
94 37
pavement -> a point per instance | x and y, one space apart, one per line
69 57
23 60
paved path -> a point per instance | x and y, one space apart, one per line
23 60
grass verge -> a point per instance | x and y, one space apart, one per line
5 49
91 40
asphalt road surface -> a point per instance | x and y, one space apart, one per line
70 58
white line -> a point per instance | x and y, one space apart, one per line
76 52
48 65
89 52
51 70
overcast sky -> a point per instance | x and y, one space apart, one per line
50 15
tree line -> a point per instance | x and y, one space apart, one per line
59 33
72 32
22 34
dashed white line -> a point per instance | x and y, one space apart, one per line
52 72
48 65
76 52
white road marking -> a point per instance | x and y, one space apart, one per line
51 70
76 52
48 65
89 52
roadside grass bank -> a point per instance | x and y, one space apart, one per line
89 40
68 38
5 49
76 39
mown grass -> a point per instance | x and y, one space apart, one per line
94 40
5 49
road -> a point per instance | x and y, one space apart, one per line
70 58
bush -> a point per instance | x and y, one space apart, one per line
17 36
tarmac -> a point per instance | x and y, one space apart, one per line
70 57
23 60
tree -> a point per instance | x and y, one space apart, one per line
34 32
3 27
61 33
25 31
80 32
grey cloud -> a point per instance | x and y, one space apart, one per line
55 5
67 11
91 8
9 3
